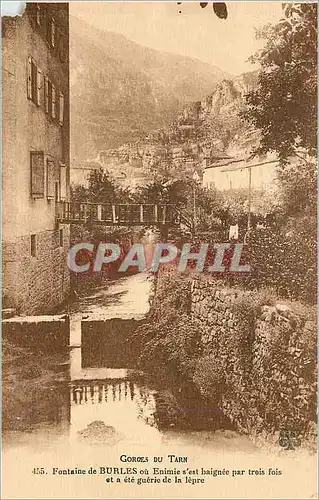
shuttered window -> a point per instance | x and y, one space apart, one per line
62 47
29 80
34 81
37 174
57 190
38 14
51 32
53 101
61 108
46 94
39 86
63 182
50 179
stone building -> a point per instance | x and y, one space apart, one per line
36 144
231 173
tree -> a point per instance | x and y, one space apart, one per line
284 106
298 188
101 189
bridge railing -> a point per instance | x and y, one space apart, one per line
118 214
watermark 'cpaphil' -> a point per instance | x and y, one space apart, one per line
84 257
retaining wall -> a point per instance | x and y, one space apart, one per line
264 357
46 333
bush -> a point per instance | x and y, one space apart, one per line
285 260
169 339
209 377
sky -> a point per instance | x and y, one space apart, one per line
195 32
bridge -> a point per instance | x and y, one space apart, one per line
121 214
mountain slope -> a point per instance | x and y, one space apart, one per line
121 90
206 131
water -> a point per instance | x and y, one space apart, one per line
97 416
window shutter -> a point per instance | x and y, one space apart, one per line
63 180
57 190
53 101
62 48
46 94
29 80
34 79
61 108
39 86
53 33
50 179
37 174
38 17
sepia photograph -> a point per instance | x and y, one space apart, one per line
159 250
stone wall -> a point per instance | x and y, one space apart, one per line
105 342
36 284
263 357
44 333
211 306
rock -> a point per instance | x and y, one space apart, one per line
310 325
98 432
283 310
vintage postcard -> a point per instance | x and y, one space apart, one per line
159 248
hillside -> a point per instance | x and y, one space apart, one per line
121 90
204 132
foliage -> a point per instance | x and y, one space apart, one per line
284 106
209 213
101 189
261 371
285 261
247 309
285 369
169 339
298 188
209 377
220 8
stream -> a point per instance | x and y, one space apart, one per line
99 416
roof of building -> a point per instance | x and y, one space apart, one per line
222 160
231 163
246 164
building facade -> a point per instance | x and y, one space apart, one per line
231 174
36 157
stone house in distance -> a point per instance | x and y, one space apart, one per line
239 173
36 157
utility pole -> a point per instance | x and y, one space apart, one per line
249 199
196 178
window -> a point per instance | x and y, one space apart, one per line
53 101
61 108
39 86
57 190
62 47
46 94
50 179
38 14
32 83
50 97
37 174
51 32
33 245
63 182
29 81
61 237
